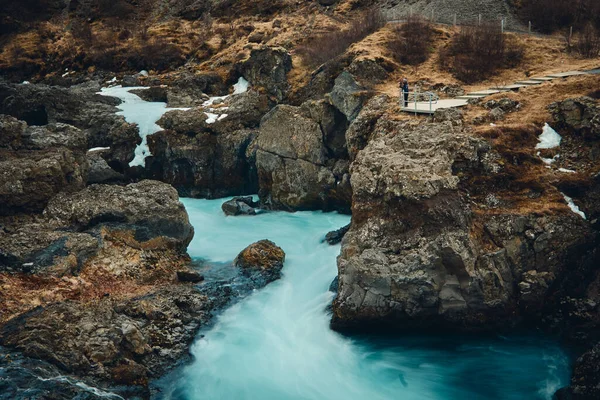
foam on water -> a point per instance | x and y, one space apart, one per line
276 344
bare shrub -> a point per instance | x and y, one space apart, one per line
411 43
322 48
588 43
476 52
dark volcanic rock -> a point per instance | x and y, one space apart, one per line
348 96
189 276
239 206
296 160
411 257
126 342
152 209
34 248
261 261
335 237
23 378
28 179
98 169
585 382
208 160
580 115
78 106
268 67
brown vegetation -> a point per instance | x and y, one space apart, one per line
477 52
412 44
324 47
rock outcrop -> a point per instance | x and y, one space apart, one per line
79 106
347 95
37 162
423 249
204 159
150 209
261 261
335 237
580 115
240 206
301 158
268 67
126 342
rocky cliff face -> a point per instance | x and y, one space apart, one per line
302 153
426 249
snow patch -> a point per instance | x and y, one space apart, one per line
97 149
573 206
241 86
212 118
25 83
549 138
568 171
140 112
144 72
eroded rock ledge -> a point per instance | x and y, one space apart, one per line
448 231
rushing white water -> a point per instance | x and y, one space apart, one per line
143 113
277 345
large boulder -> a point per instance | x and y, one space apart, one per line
208 159
150 209
98 169
347 95
28 179
203 165
296 168
239 206
580 115
262 260
268 67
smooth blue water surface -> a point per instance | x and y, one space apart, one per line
276 344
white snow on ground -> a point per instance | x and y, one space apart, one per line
568 171
212 118
548 161
144 72
241 86
98 149
25 83
549 139
573 206
221 117
143 113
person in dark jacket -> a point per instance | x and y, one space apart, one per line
404 90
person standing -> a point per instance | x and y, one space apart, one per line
404 90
